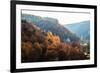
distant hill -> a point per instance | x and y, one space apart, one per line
50 24
81 29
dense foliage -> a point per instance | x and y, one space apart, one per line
38 46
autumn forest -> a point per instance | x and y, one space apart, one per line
38 45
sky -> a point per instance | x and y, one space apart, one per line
63 17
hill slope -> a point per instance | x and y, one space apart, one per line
52 25
39 46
